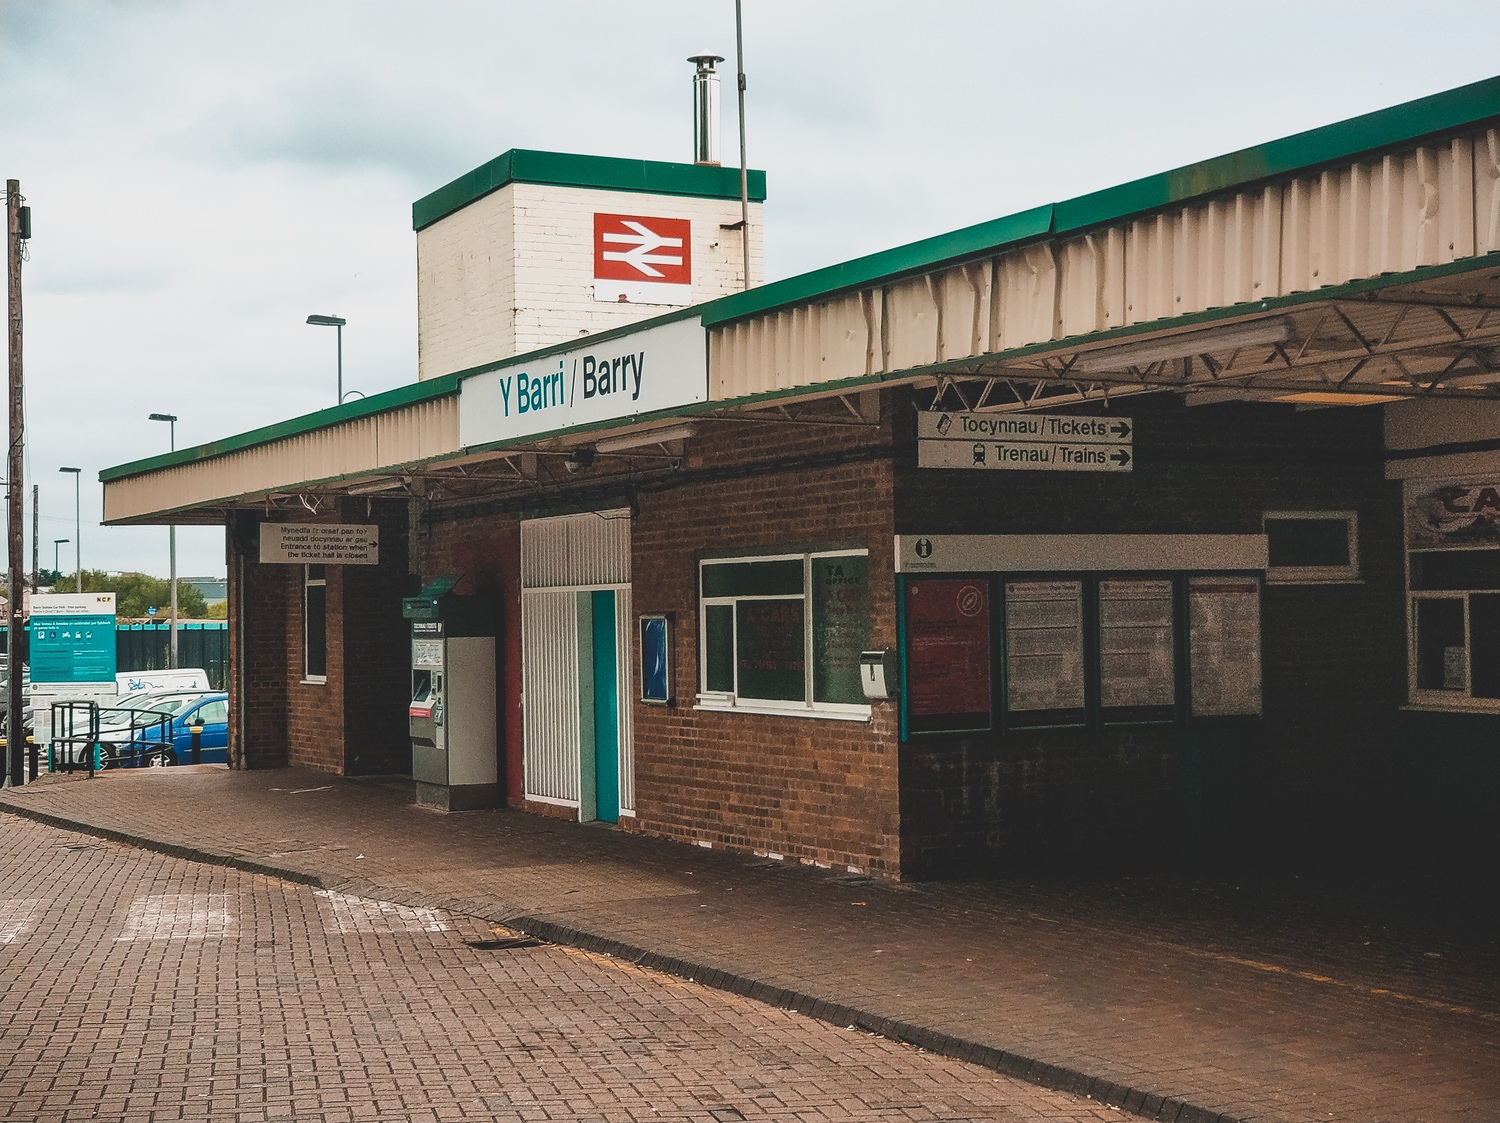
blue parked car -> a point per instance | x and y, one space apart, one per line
157 731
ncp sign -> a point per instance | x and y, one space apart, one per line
639 259
641 372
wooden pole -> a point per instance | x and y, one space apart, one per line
15 740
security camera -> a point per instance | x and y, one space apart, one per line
579 459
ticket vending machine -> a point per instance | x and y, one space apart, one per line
454 757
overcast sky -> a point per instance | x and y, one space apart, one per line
204 174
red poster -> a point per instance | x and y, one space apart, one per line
947 647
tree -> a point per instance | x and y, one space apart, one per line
136 592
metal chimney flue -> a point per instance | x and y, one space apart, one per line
706 109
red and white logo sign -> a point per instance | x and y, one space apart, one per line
639 259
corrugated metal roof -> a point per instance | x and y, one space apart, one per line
1398 126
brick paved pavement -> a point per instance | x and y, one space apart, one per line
1330 998
141 987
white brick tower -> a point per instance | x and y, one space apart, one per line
536 248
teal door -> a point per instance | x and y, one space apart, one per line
606 708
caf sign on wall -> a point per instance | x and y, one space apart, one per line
642 259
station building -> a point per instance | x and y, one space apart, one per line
1161 520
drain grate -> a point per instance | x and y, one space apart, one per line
504 943
81 846
725 1114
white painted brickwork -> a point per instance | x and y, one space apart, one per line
513 271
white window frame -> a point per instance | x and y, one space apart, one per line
730 700
1457 701
1315 574
308 581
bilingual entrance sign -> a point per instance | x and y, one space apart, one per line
72 637
657 368
319 544
1039 442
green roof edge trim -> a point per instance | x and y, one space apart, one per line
308 422
1402 124
1446 112
564 169
970 241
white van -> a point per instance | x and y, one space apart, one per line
140 682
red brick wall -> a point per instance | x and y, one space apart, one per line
808 788
315 710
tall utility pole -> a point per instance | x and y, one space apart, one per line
36 529
739 66
18 229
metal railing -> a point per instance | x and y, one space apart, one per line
80 738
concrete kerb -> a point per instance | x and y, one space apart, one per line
1162 1109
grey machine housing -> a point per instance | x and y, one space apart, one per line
452 716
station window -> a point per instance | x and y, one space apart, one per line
314 623
1078 650
784 633
1455 622
1311 547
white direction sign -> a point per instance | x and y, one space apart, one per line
1045 442
319 544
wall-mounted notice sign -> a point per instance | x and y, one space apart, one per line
947 654
72 637
1452 516
1044 646
657 368
319 544
1135 643
1040 442
1224 638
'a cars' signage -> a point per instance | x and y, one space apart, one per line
640 372
319 543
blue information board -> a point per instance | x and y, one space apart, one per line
72 638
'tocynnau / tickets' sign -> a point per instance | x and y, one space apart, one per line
640 372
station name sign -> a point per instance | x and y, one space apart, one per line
1044 442
319 544
658 368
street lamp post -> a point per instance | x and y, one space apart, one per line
77 474
56 542
338 323
171 420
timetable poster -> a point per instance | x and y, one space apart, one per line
947 654
1044 645
1135 643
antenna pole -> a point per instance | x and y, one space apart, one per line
739 65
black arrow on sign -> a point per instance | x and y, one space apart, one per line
1121 458
1121 429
